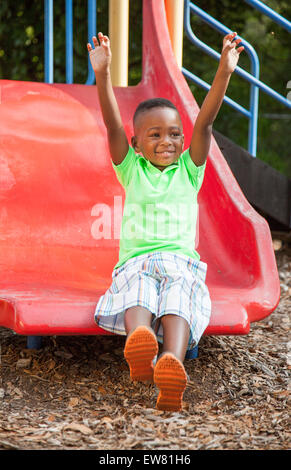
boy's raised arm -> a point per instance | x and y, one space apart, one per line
100 58
202 131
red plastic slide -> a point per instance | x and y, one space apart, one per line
61 204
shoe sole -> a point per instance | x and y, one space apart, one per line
171 379
140 349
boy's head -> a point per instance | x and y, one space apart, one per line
158 132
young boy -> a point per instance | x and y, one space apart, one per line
158 289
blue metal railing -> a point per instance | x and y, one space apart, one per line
252 78
263 8
92 27
49 40
69 42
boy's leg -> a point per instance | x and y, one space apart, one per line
175 335
141 345
136 316
170 375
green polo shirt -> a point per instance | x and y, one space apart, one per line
160 208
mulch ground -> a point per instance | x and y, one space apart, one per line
75 392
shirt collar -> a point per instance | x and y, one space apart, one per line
153 169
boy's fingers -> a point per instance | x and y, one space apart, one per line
95 41
104 40
229 37
101 38
238 43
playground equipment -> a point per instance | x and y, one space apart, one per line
57 184
252 78
268 190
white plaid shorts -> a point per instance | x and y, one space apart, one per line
164 283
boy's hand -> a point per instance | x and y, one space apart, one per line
230 54
100 56
201 137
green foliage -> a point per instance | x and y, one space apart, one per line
22 39
22 58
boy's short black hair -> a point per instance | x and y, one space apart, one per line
153 103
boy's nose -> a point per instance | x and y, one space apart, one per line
166 140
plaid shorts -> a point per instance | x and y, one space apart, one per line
164 283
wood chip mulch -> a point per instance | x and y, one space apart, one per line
75 392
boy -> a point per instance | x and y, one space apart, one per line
158 288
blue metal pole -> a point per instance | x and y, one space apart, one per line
255 67
263 8
34 342
92 25
252 78
48 41
192 353
253 121
245 112
69 41
215 24
224 30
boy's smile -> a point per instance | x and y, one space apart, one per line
159 136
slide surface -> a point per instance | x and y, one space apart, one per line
56 180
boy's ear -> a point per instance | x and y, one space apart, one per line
134 144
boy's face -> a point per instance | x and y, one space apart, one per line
159 136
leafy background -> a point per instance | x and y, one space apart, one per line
22 58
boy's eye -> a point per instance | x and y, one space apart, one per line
155 134
173 134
